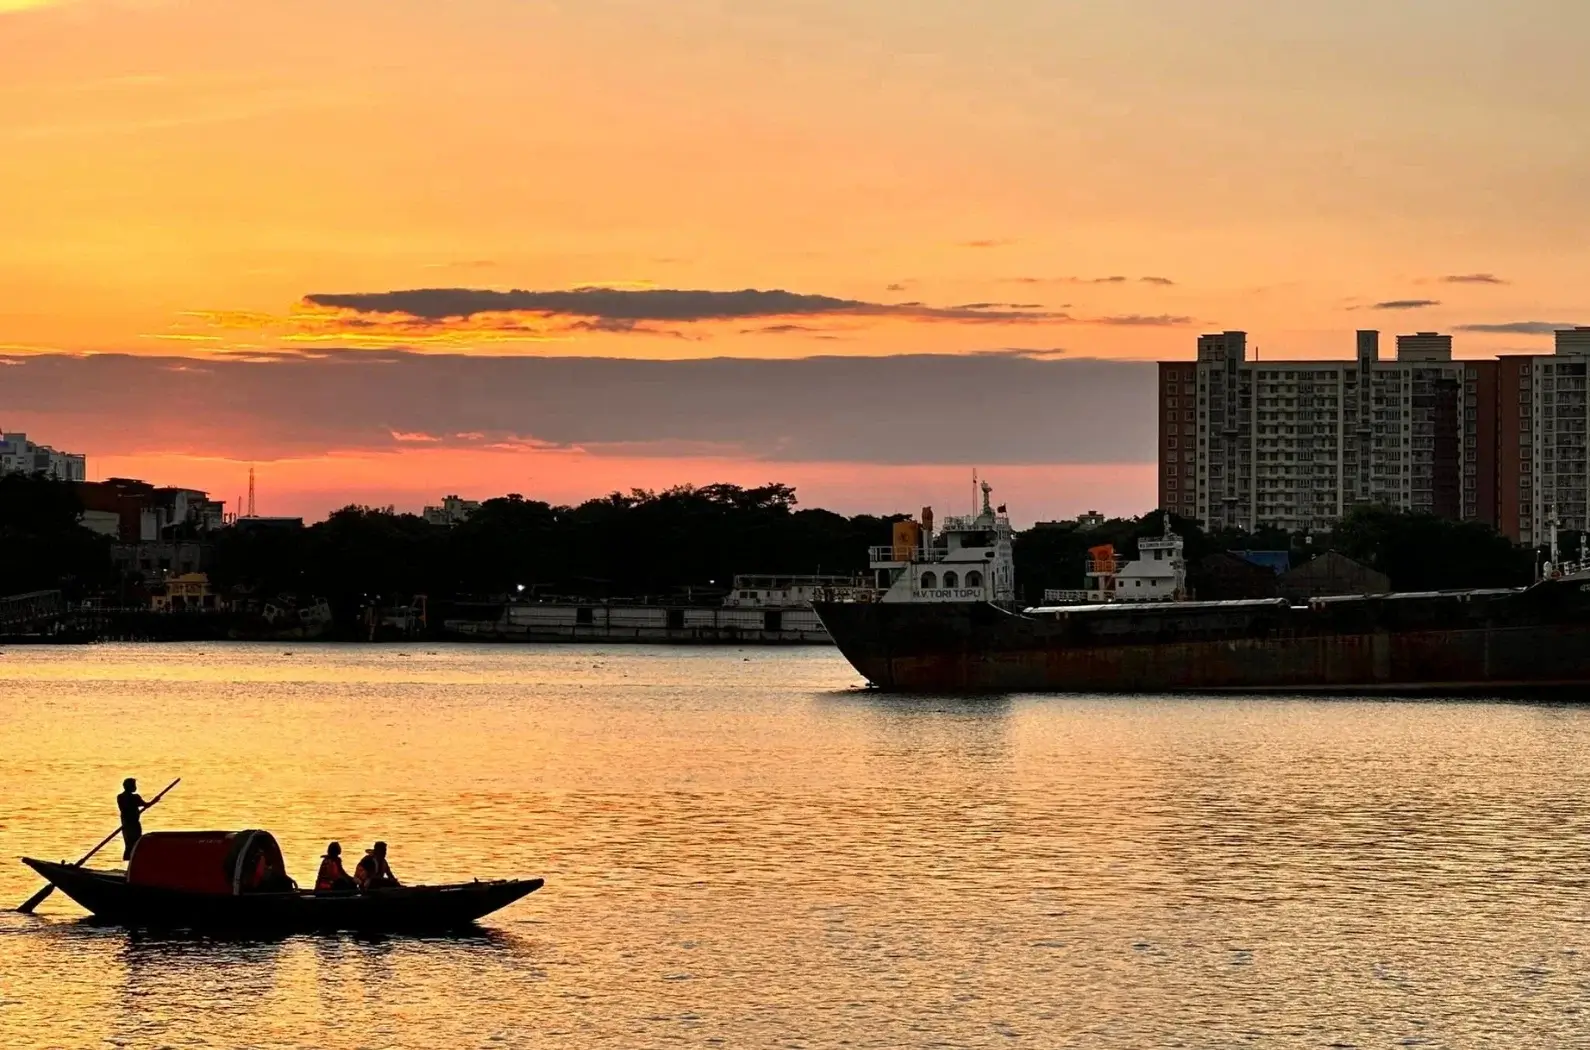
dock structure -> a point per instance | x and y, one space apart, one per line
32 612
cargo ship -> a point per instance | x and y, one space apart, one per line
946 622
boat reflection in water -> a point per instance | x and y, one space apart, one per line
236 880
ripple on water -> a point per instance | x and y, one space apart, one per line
743 850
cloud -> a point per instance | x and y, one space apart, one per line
1144 320
1405 304
998 306
464 264
985 244
625 305
1021 405
1030 353
1114 278
1472 278
782 329
1517 327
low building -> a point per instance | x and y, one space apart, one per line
189 592
1225 576
1090 520
452 511
104 522
162 558
255 523
147 513
18 455
1331 574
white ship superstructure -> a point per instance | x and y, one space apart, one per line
1158 574
968 560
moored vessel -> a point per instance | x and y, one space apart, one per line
761 609
1102 640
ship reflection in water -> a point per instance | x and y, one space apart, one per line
744 849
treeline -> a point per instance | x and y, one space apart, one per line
1418 552
679 542
670 544
42 546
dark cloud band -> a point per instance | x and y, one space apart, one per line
1517 327
1011 406
1405 304
632 306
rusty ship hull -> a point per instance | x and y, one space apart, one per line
1450 642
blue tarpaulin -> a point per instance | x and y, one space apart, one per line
1276 561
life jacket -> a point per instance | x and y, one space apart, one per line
331 871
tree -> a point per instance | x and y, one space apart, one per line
1421 552
45 546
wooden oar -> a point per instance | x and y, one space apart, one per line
49 888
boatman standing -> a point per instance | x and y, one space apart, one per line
132 806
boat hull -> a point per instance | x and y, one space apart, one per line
400 909
1483 642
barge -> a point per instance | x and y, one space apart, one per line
758 610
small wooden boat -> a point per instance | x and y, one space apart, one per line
237 880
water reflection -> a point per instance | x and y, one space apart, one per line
743 850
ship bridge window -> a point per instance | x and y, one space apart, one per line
951 580
929 581
974 579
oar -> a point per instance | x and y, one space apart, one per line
49 888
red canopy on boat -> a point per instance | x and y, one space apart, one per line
223 862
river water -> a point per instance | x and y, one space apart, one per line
742 848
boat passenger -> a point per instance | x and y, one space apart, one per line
333 878
132 806
373 871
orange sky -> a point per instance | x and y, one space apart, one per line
176 176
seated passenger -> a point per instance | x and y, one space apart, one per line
333 878
373 871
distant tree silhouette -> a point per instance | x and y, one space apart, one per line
670 543
44 546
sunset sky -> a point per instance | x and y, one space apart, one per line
214 215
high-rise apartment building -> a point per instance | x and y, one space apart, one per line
1296 444
1543 452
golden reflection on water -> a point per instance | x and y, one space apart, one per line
741 849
